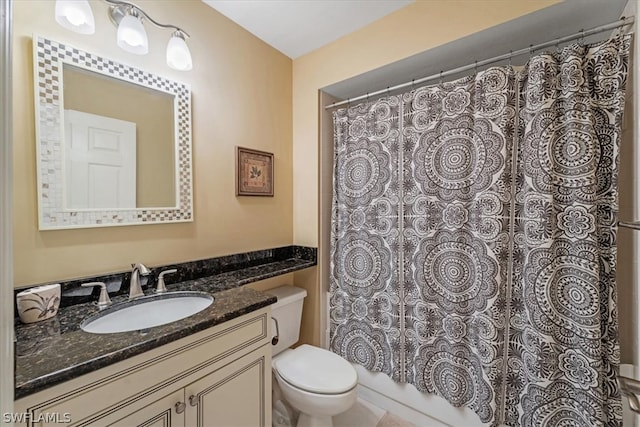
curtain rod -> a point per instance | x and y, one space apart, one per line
631 225
583 33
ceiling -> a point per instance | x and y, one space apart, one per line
298 27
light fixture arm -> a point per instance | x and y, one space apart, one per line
117 11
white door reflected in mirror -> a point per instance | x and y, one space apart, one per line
100 161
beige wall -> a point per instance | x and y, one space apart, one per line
411 30
241 91
151 111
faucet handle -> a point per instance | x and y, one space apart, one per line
161 288
103 301
142 269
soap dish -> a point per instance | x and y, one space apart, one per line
39 303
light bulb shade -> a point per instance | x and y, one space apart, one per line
178 54
131 35
75 15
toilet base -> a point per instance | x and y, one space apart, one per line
306 420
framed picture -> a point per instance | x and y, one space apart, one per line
254 172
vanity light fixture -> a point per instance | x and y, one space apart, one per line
178 54
76 15
131 34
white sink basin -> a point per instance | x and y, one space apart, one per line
147 312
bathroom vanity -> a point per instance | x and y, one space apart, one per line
210 369
219 376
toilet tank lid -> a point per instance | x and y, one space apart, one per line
286 295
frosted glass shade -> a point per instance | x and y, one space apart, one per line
75 15
131 35
178 54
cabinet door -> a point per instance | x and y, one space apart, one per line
237 395
166 412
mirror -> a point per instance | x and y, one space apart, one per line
113 142
96 107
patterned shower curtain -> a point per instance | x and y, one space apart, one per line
473 238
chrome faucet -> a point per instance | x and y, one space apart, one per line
135 290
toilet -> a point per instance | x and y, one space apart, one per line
316 382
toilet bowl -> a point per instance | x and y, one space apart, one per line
314 381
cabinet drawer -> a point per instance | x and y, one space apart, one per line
101 397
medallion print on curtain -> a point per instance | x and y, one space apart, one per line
473 238
563 315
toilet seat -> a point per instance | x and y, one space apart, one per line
316 370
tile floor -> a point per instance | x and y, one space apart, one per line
362 414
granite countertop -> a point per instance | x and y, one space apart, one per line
57 350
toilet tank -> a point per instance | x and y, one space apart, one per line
288 313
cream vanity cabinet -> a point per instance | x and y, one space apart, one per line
217 377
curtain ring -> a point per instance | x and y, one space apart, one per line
367 96
388 91
440 76
475 68
557 43
581 40
510 56
619 31
413 83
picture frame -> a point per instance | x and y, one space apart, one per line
254 172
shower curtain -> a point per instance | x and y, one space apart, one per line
473 238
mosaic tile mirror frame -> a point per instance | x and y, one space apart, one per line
49 58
